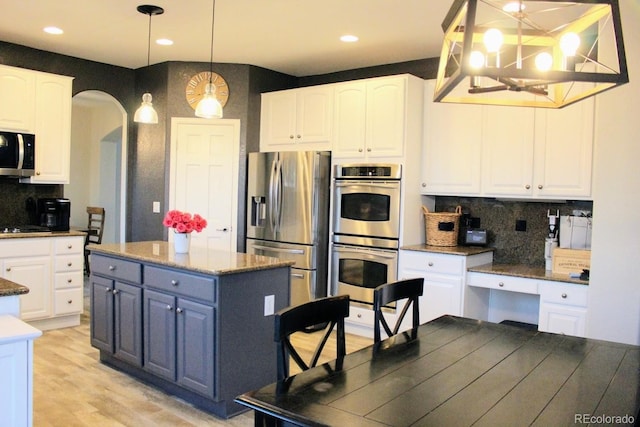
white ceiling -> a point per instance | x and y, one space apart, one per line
296 37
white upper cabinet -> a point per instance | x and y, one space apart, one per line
52 129
297 119
18 94
451 154
508 150
520 152
370 118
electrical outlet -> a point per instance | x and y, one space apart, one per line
269 305
521 225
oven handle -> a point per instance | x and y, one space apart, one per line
288 251
386 186
378 252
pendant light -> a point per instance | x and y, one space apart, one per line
209 107
531 53
146 113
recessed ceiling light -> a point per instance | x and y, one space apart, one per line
164 42
348 38
53 30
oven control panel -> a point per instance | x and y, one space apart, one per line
380 171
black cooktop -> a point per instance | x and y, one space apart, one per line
9 229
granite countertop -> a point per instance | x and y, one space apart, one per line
199 260
42 234
9 288
520 270
451 250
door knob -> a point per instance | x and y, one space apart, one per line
222 229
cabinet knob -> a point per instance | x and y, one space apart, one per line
424 184
107 289
112 268
169 308
116 292
501 284
8 268
70 301
359 316
540 187
527 186
175 282
70 247
564 295
299 136
290 136
369 149
38 173
179 310
430 263
359 150
69 264
69 280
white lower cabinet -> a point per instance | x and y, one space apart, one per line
52 269
444 279
16 370
557 307
563 308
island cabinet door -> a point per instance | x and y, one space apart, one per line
160 334
128 323
102 313
195 346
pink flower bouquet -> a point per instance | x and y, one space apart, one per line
184 222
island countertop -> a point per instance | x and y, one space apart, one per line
39 234
9 288
198 259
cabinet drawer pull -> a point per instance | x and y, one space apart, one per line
359 316
179 310
564 295
69 280
359 150
299 136
112 268
175 282
8 268
501 284
169 308
527 186
540 187
107 289
116 292
290 136
70 301
369 150
69 264
430 263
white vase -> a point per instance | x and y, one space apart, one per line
181 242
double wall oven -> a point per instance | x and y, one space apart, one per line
366 226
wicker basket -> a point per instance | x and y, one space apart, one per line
442 227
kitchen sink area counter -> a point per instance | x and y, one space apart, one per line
190 324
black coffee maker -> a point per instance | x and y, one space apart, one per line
54 213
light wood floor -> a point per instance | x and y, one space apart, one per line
72 388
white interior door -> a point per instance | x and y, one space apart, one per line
204 177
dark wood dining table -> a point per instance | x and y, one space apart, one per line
461 372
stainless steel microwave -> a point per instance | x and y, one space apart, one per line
17 154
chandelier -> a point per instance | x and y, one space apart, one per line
533 53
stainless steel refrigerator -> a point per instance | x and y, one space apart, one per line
288 215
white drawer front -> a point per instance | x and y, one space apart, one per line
71 279
68 301
433 263
503 283
561 293
18 247
69 263
69 245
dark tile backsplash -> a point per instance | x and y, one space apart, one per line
13 199
500 218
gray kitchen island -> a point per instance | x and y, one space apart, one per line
196 325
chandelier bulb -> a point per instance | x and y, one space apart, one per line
569 44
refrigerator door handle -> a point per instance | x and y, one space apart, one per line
272 177
278 196
270 248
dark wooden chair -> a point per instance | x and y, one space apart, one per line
95 230
411 290
329 310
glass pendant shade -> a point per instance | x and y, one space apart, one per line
146 113
532 53
209 107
